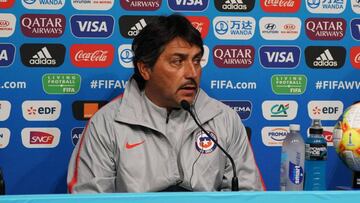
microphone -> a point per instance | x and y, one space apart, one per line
234 182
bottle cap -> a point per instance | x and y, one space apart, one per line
295 127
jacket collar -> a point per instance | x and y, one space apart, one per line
137 109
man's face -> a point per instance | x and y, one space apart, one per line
175 75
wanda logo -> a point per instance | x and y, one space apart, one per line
92 55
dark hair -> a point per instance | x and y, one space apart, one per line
151 41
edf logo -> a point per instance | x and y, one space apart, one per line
41 110
188 5
325 110
7 53
92 26
279 56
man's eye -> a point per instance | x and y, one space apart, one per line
177 61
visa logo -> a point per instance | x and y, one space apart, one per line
279 56
92 26
189 2
7 54
188 5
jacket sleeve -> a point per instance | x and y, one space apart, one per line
91 167
240 149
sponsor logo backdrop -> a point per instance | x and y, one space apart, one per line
275 62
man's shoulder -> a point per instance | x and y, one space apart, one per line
109 110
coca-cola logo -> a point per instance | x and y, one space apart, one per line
92 55
201 23
280 3
355 57
98 55
289 6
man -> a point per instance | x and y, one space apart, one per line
145 142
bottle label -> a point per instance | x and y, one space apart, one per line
296 173
316 151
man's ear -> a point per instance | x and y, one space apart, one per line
144 70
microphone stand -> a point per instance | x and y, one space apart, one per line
234 182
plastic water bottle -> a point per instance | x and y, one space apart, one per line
315 158
292 160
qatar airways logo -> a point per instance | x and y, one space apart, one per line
92 55
40 137
43 25
325 28
285 6
233 56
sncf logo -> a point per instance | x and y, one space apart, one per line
43 4
141 5
92 55
188 5
92 26
279 56
7 55
92 4
234 5
40 137
355 57
43 25
7 24
130 26
330 57
6 4
325 28
287 6
42 55
233 56
201 23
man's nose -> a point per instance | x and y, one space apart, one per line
191 70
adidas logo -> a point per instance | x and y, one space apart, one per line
134 30
234 5
325 60
42 57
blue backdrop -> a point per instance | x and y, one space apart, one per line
274 65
